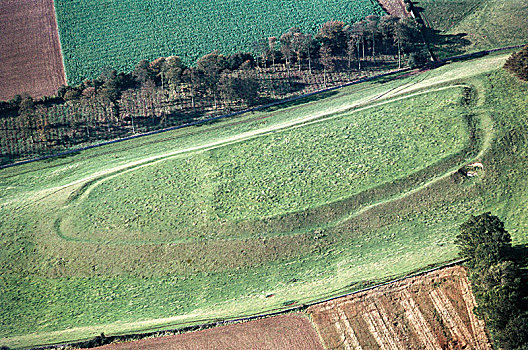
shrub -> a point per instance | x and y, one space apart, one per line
517 64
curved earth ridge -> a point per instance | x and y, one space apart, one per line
448 165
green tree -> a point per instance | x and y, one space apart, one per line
386 27
333 35
517 64
373 32
26 112
497 289
142 72
515 334
171 71
406 36
483 240
286 47
212 65
272 49
327 60
357 37
496 280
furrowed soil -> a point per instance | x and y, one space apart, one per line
29 49
292 332
394 7
432 311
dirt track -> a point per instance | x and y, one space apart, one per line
30 55
394 7
433 311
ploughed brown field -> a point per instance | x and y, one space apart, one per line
433 311
30 55
394 7
292 332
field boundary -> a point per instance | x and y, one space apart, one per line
207 120
212 323
258 108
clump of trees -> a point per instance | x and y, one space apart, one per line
517 64
166 92
497 280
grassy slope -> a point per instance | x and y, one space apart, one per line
486 24
52 284
96 34
200 195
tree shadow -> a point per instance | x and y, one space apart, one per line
443 45
296 102
519 253
446 45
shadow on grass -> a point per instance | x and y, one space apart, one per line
520 254
300 101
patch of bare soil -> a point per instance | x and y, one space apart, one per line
433 311
291 332
394 8
30 55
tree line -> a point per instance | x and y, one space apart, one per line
499 284
167 92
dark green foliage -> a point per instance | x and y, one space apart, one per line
498 292
496 279
142 73
515 334
240 87
417 59
237 59
333 35
483 240
517 64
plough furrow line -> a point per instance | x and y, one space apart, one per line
353 339
451 317
418 322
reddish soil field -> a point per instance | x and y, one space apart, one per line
433 311
394 7
30 55
291 332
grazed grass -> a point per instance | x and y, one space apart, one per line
49 284
287 171
475 25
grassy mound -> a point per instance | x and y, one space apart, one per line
204 194
366 229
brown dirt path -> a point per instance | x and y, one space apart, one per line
293 332
394 7
30 54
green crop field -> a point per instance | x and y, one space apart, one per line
302 201
96 34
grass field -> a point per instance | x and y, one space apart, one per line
474 25
311 235
118 34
